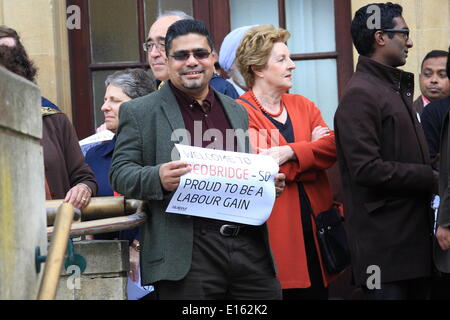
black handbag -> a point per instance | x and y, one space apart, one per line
332 240
331 236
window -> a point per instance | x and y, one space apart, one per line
110 39
315 46
112 32
320 42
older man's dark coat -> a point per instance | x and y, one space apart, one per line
441 257
386 175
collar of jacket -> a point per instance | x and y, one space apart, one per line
233 110
398 79
108 147
48 104
48 108
47 111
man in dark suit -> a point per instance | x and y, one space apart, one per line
442 246
188 257
434 84
384 161
434 76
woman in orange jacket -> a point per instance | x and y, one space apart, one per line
289 128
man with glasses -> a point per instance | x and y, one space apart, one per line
188 257
384 161
155 47
156 52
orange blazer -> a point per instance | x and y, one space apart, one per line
285 224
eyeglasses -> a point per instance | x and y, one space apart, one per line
402 31
183 55
148 46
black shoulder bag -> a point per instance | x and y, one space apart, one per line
331 237
330 233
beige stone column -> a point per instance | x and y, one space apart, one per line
42 27
22 194
1 13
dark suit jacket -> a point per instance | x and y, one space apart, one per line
386 174
148 129
432 120
418 105
99 160
442 258
223 86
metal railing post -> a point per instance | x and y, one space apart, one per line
56 253
108 214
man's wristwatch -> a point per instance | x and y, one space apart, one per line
136 245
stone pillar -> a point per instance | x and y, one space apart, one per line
46 42
22 189
105 277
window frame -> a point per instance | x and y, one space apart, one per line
82 68
216 15
218 11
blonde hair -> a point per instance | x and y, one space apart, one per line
255 49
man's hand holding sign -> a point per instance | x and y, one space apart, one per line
170 173
183 256
222 185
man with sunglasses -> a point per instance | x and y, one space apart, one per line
154 46
384 161
188 257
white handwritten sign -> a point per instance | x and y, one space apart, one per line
224 185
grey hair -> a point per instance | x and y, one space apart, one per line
177 13
133 82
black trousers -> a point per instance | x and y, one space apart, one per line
236 267
413 289
317 290
440 287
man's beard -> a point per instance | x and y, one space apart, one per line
192 84
16 60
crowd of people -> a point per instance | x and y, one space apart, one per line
392 154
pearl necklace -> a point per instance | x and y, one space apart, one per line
273 115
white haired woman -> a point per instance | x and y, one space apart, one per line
121 86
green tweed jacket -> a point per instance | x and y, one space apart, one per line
146 138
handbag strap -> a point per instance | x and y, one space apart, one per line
304 195
303 192
249 103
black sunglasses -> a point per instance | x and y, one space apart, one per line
183 55
405 32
